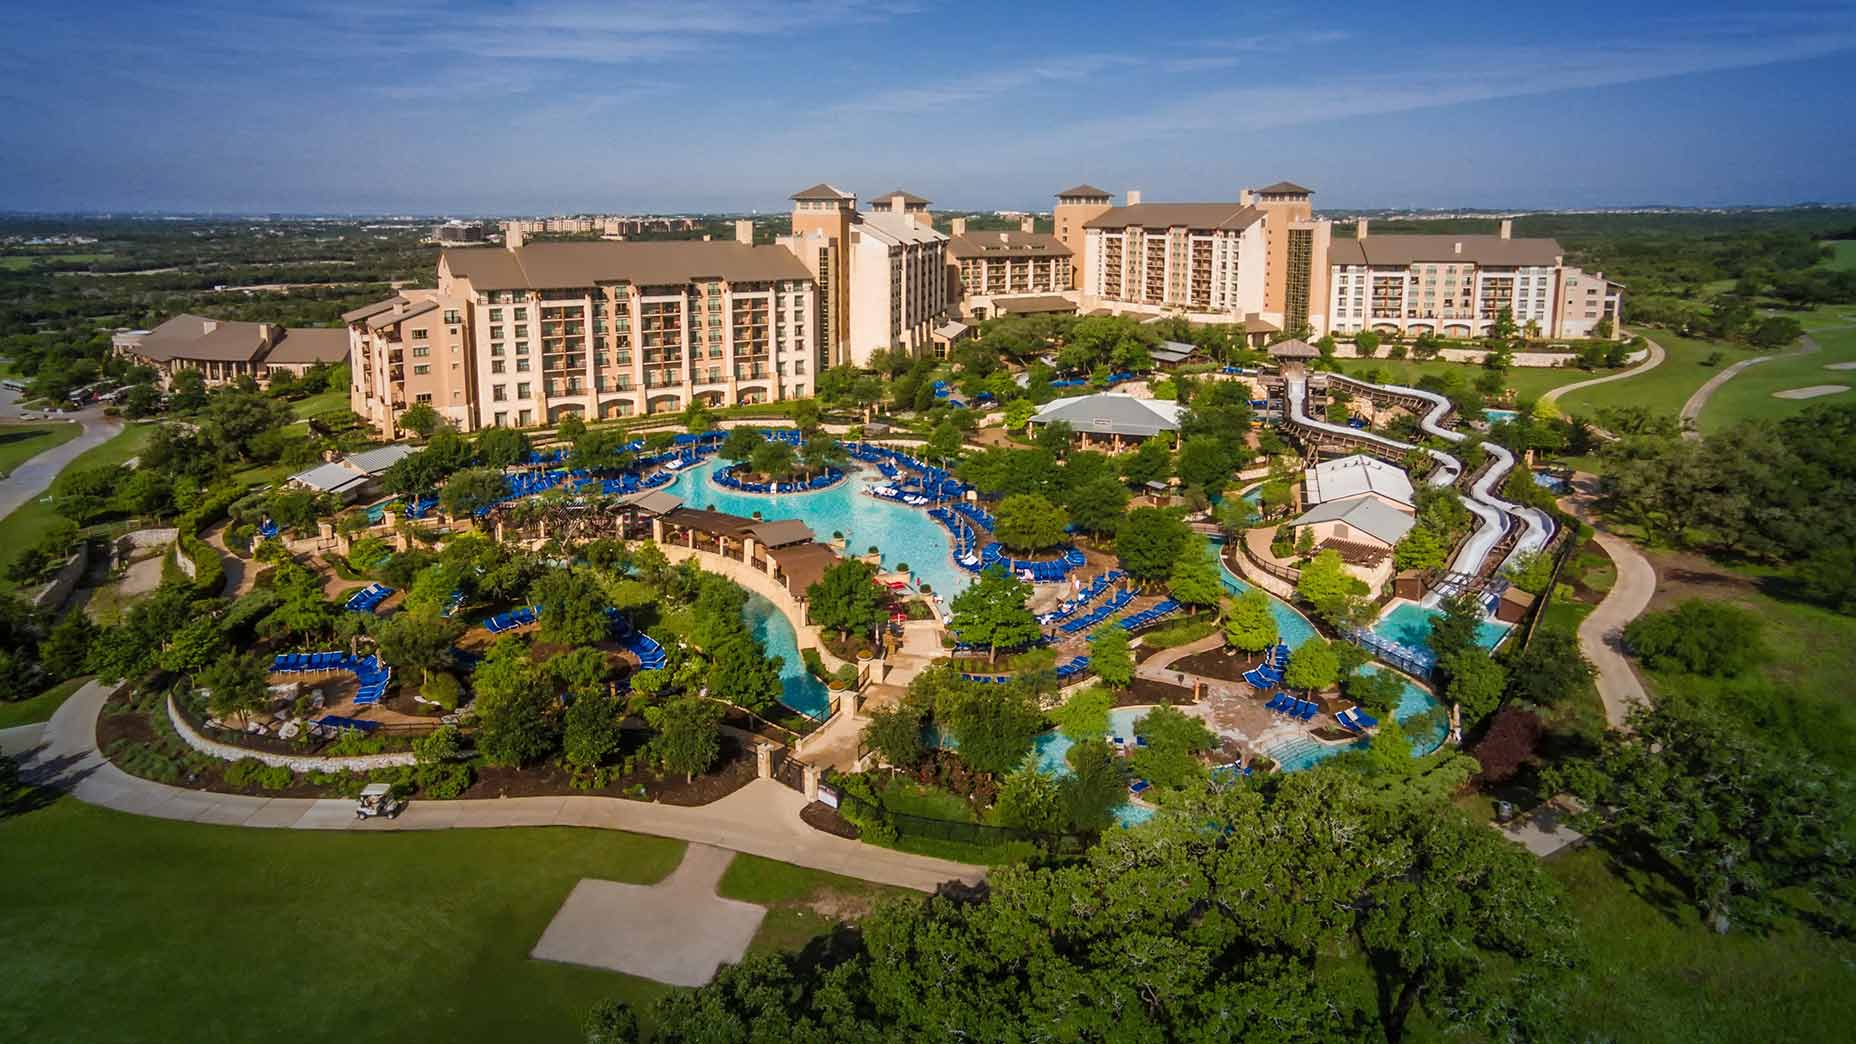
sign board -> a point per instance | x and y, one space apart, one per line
828 796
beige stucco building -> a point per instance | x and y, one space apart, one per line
222 350
411 348
882 274
1459 285
993 268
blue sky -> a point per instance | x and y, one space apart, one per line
664 105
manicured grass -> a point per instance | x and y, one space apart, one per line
802 904
123 928
1664 389
1845 256
1749 396
320 403
19 529
34 709
1656 974
20 443
1528 382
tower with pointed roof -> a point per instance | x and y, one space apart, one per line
1076 207
822 220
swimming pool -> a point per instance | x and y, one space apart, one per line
1499 416
1410 624
903 535
1052 751
798 689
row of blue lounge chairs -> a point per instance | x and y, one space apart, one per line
651 656
987 679
1099 614
1066 671
1036 572
1353 719
976 515
267 529
1072 606
1166 607
727 478
1300 710
512 619
373 676
338 723
1268 674
369 598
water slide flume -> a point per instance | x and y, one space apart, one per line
1493 514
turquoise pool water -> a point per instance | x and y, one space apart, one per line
1410 624
1498 416
904 535
798 689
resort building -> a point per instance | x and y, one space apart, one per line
992 269
1357 478
1362 530
1459 286
1111 421
882 275
1257 259
222 351
353 475
1076 207
602 329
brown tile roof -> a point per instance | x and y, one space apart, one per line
803 564
821 191
357 314
1006 244
1084 191
1178 215
1254 323
707 520
196 337
1033 305
1354 553
540 266
1286 188
328 345
781 532
1294 349
1378 249
907 196
403 309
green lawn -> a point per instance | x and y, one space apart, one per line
23 526
1528 382
1664 389
1749 396
1655 974
319 403
34 709
20 443
22 262
802 904
123 928
1845 256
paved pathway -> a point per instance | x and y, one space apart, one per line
1601 634
1691 410
1158 666
35 476
240 577
1651 361
676 931
761 818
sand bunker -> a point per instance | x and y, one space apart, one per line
1841 366
1812 392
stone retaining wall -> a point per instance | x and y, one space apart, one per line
293 762
53 595
143 539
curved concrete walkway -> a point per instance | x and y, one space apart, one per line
761 818
35 476
1691 410
1601 634
1651 361
240 577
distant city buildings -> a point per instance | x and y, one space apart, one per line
610 226
456 233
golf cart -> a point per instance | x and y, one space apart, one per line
377 800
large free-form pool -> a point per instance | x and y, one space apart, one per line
1409 623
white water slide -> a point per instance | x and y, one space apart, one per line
1492 513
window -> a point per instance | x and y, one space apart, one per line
496 316
422 369
452 318
522 390
521 365
421 352
423 397
499 393
525 418
419 334
500 419
496 349
496 333
521 330
496 366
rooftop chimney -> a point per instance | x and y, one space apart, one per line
959 225
1028 224
1359 229
744 231
706 237
1507 231
1244 198
209 326
896 205
1134 197
512 236
1459 246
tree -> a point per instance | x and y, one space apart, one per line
571 427
571 607
582 672
992 613
472 490
1096 787
1250 623
236 416
1195 581
1551 670
1734 822
995 725
1475 683
821 452
235 685
895 734
740 443
688 736
1028 522
1380 692
1336 595
1150 541
67 645
1084 715
591 731
1151 462
944 442
195 644
1032 801
521 728
1097 506
1110 655
1205 462
846 598
420 419
741 672
1421 548
773 459
1455 630
611 1022
502 447
1314 666
415 642
1697 636
1170 759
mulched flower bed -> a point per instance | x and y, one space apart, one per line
820 816
1217 663
1146 691
735 768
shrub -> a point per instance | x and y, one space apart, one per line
1697 637
275 777
444 780
1513 736
443 688
244 772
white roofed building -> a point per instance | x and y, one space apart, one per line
1356 477
1111 421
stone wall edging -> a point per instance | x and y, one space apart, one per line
293 762
55 593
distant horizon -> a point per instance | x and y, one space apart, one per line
729 106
